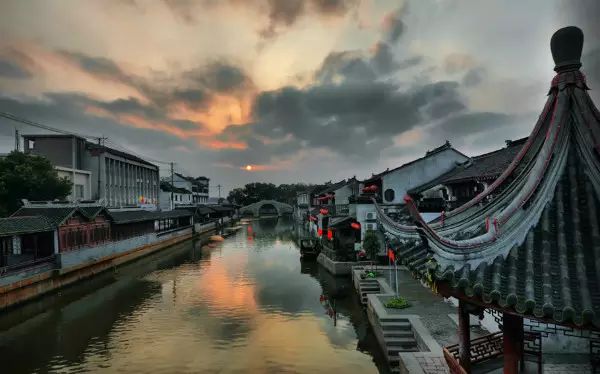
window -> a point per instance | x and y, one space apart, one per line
31 144
79 191
389 194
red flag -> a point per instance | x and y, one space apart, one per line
391 255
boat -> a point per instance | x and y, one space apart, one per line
309 249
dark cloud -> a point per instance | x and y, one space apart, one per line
69 112
393 26
193 98
10 69
220 76
384 62
354 119
99 66
473 123
345 66
473 77
196 85
284 13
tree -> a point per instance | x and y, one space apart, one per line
25 176
371 245
254 192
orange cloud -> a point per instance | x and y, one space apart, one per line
220 112
217 144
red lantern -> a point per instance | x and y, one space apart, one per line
320 232
330 234
324 211
355 225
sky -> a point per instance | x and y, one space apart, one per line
301 90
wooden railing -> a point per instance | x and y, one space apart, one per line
490 347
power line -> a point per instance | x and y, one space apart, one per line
124 149
25 121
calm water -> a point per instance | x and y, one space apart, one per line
246 305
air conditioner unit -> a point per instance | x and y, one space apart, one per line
371 215
371 226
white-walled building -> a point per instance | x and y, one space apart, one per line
98 172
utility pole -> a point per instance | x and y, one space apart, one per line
172 185
17 142
219 187
100 153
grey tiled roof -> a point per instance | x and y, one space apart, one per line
548 276
552 270
140 215
56 215
24 225
486 166
489 165
130 216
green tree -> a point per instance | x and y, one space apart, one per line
253 192
371 245
25 176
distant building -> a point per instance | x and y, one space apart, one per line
98 172
197 186
200 190
181 196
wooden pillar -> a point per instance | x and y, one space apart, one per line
512 332
464 336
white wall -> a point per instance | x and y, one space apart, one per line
419 173
82 177
343 194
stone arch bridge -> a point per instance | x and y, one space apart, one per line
265 207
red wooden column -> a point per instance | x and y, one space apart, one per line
512 332
464 337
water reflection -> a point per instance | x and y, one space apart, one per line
242 306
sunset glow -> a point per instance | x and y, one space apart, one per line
249 167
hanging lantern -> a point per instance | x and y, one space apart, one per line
329 234
320 232
324 211
355 225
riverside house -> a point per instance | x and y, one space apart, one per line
78 240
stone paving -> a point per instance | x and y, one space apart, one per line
567 368
432 365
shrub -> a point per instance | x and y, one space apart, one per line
397 303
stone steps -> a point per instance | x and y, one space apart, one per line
398 334
387 326
366 287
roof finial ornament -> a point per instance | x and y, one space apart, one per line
566 45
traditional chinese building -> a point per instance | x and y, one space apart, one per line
466 180
527 248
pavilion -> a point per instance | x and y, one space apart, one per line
528 246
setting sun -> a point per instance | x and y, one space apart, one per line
249 167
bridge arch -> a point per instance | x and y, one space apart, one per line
255 209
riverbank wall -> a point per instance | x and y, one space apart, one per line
77 265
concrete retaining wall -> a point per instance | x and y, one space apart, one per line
336 267
81 264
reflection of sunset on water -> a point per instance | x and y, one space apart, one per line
237 306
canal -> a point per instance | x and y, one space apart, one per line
247 304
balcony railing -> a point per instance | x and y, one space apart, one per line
490 347
337 210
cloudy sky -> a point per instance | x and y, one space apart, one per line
301 90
